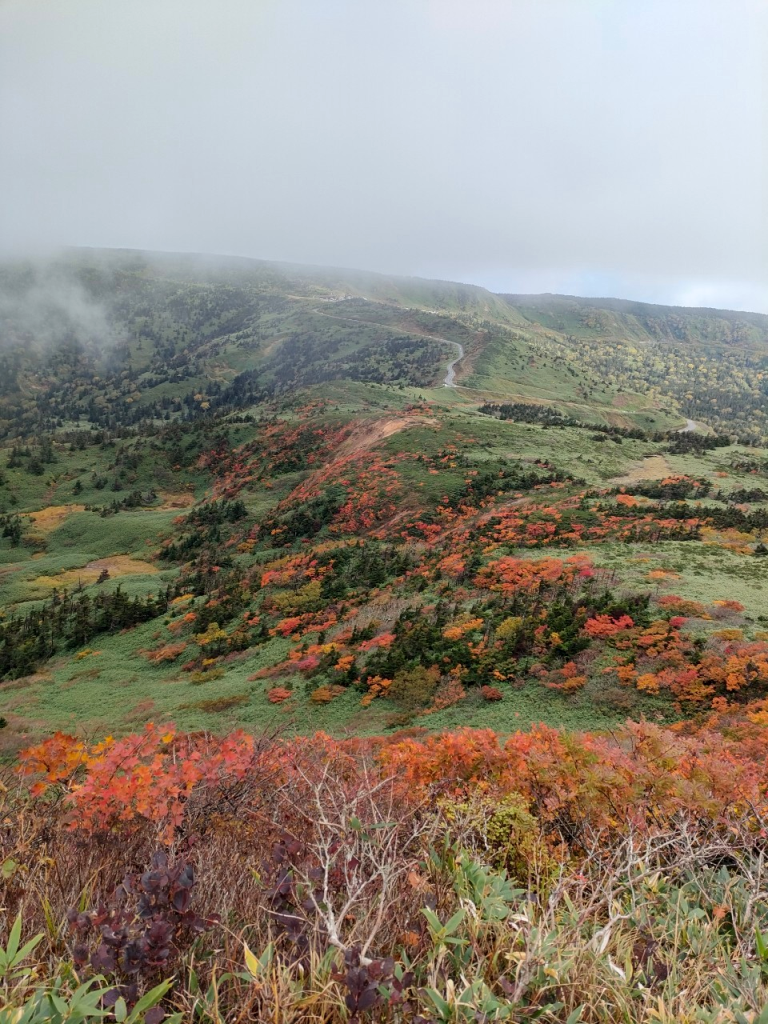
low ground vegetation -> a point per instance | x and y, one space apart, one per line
449 877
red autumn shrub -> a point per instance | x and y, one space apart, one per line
491 693
169 652
605 626
278 694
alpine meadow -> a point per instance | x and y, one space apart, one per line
455 602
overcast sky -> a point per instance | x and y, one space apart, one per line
585 146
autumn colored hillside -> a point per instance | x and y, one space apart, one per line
378 649
239 494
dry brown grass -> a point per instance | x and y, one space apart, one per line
653 467
115 565
49 519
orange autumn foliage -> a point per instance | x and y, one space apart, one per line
605 626
383 640
167 653
635 777
278 694
147 776
508 575
459 629
377 687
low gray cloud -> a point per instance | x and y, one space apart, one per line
42 307
523 144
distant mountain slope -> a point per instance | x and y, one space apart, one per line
115 336
642 320
710 364
304 279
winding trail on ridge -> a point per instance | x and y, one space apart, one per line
449 381
450 377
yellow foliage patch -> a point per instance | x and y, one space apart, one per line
728 634
49 519
653 467
117 565
458 629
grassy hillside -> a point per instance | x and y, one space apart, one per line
333 692
239 493
711 365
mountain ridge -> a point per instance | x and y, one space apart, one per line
339 269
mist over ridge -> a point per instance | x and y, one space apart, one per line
570 147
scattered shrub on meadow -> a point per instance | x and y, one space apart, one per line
491 693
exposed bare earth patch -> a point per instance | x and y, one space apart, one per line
274 344
616 419
368 434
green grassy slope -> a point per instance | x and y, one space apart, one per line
711 365
173 427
